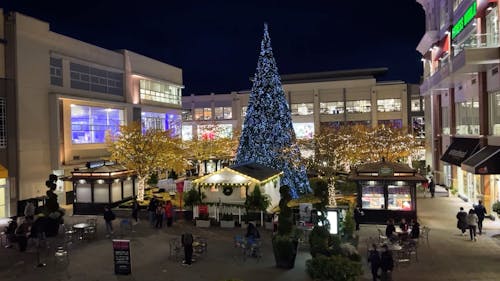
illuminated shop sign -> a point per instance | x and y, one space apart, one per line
464 20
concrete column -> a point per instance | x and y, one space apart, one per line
452 116
374 112
317 113
484 126
405 113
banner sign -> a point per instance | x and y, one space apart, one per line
121 249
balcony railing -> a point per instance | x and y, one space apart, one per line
487 40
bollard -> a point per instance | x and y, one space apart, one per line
62 258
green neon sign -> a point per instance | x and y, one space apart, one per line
464 20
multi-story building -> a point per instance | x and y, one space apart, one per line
316 100
60 97
461 85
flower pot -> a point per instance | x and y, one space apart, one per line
285 251
227 224
203 223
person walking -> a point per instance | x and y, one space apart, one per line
386 264
462 220
187 243
169 213
160 212
358 213
109 217
374 260
481 213
472 221
432 187
135 211
153 203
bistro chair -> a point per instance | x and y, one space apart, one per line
425 234
69 234
381 236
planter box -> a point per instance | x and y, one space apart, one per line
202 223
227 224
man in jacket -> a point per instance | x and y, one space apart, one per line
481 213
386 264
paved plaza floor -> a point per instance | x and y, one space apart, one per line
448 256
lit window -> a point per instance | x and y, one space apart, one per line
372 197
303 130
302 108
495 113
187 132
223 113
467 117
198 114
187 115
87 78
161 121
159 92
418 126
91 124
415 104
399 198
389 105
210 132
358 106
336 107
395 123
207 113
446 120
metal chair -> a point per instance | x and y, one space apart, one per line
91 231
425 234
381 236
69 234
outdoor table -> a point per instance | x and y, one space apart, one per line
80 229
200 245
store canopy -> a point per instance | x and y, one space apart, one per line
459 150
389 171
486 161
239 175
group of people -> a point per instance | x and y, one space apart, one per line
473 220
158 211
19 230
383 261
411 230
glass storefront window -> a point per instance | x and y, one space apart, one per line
467 117
389 105
334 107
159 92
445 117
187 132
302 108
207 113
303 130
418 126
495 113
394 123
210 132
244 111
187 114
399 198
198 114
358 106
223 113
373 197
90 124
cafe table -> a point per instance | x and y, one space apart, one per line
80 229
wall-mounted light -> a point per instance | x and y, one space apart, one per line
489 8
82 181
100 181
447 32
422 59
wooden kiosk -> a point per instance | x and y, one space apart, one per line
386 190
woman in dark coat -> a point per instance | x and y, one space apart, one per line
462 220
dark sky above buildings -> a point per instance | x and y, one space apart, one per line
216 43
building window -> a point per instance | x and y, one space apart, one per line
3 124
389 105
207 113
153 121
91 124
445 117
159 92
210 132
418 126
244 111
335 107
93 79
394 123
358 106
415 104
187 114
456 3
467 117
56 72
187 132
223 113
302 108
495 113
198 114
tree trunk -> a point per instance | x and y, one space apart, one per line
141 185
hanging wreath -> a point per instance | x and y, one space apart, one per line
227 191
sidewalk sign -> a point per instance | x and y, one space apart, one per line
121 249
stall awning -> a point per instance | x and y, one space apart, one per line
485 162
459 150
4 173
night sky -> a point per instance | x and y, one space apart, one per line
216 43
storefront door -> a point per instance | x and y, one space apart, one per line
4 200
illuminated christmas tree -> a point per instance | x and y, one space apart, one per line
268 136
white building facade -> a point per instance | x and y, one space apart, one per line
65 96
461 56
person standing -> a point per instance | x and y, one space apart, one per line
135 211
386 264
432 187
187 243
374 260
169 213
109 217
415 229
358 213
462 220
160 212
152 211
29 210
481 213
472 221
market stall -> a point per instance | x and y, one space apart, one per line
386 190
101 183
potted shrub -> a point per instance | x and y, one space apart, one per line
257 202
203 221
285 243
191 198
227 221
